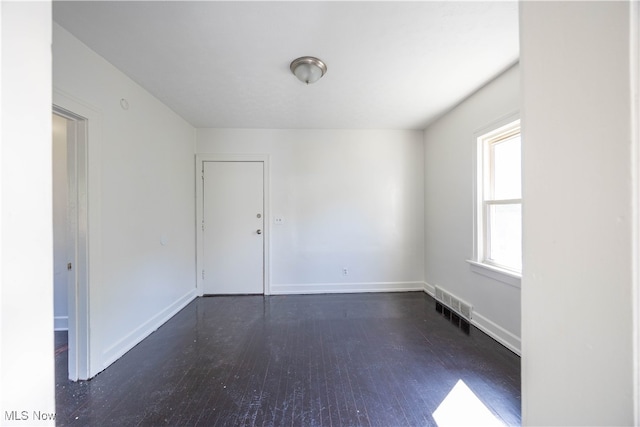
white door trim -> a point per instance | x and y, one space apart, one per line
84 174
200 159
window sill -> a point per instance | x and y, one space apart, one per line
505 276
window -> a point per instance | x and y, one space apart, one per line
499 199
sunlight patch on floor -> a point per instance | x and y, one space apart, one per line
462 407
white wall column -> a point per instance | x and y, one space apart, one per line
577 322
26 296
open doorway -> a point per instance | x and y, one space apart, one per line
61 226
70 281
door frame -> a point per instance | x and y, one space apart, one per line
83 170
199 176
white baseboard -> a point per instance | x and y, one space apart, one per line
345 288
61 323
497 332
117 350
430 289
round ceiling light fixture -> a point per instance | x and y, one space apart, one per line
308 69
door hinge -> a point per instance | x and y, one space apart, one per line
68 266
202 274
202 225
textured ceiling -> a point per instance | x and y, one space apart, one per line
391 65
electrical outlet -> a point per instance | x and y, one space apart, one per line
345 271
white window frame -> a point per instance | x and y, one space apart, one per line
496 131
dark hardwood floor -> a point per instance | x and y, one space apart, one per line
304 360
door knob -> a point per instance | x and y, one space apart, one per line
259 231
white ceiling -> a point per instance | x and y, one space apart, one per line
391 65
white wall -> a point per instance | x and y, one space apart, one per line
60 258
26 296
349 198
449 184
577 364
142 186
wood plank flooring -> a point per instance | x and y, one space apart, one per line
303 360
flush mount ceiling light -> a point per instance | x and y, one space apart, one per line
308 69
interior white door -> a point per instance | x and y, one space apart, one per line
233 218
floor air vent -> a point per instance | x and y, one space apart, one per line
454 309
